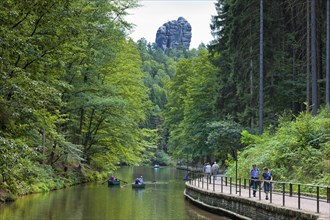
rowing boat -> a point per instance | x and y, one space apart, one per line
137 186
113 182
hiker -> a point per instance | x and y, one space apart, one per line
254 178
215 169
267 177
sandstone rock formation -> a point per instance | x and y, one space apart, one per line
174 34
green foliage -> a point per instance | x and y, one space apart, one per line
190 106
161 158
72 98
224 137
297 152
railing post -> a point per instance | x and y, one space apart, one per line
270 192
240 186
213 183
244 183
318 199
226 180
283 191
328 194
199 179
250 189
230 184
298 196
202 182
207 182
236 185
260 189
290 185
222 184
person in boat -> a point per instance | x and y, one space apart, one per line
112 178
141 180
137 181
186 177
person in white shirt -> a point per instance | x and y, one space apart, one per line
208 169
215 169
141 180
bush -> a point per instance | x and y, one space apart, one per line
298 151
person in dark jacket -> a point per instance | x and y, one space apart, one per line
254 178
267 177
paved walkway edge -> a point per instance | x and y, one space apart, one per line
217 209
235 206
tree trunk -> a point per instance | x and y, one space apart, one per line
81 121
43 144
261 101
308 56
327 60
251 90
295 103
313 59
319 52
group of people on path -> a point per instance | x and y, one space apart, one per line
266 178
211 170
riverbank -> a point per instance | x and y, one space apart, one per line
14 189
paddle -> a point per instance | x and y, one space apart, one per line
125 184
122 181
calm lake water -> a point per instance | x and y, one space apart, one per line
162 198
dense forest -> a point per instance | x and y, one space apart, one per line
78 97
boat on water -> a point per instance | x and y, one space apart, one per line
138 186
113 182
156 166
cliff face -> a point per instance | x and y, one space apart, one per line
174 34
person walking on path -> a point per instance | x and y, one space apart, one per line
208 169
215 169
267 177
254 176
208 172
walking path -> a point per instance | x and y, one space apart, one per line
307 204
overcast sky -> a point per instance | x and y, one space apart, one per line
154 13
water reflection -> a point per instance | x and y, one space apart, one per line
161 199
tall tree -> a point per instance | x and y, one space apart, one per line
261 76
327 49
190 106
313 59
308 55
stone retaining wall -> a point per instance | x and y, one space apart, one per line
241 208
